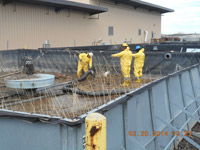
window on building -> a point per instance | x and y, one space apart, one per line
110 31
152 34
139 32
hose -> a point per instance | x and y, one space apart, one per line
82 78
93 94
68 88
58 87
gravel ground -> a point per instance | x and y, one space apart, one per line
184 145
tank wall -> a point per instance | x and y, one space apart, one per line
143 111
66 61
21 135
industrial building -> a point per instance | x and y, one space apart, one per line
35 23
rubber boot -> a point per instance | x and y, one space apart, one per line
139 80
127 83
124 84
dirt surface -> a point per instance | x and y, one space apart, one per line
68 105
184 145
59 77
111 82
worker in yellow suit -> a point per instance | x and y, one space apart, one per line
125 61
85 59
138 63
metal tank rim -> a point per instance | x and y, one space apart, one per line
43 80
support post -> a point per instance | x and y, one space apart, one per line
95 132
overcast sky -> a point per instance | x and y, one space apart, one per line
185 19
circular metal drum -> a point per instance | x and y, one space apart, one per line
29 82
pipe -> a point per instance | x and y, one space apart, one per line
11 95
9 104
146 35
93 94
168 56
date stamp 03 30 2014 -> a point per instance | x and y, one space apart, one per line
158 133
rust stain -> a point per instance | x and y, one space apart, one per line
93 131
92 143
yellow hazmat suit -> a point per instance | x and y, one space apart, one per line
84 60
125 61
139 63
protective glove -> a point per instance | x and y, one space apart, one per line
83 62
92 71
110 57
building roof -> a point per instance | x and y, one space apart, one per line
146 5
62 4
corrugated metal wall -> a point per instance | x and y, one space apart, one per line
29 25
21 135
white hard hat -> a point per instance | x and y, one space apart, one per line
91 54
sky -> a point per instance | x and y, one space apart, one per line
185 19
